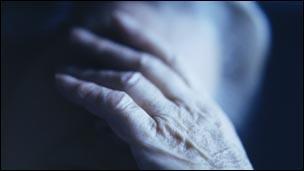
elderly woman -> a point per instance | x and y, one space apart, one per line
163 76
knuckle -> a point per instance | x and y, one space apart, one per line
148 62
172 61
131 79
144 60
85 90
148 132
118 101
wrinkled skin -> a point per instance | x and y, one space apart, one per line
153 107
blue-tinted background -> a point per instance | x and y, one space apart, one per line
276 140
275 136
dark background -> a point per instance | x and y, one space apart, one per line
274 139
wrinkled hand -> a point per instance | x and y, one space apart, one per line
152 107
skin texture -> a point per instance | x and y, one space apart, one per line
152 105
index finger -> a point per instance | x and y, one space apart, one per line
123 115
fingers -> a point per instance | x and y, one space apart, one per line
125 117
141 90
104 49
143 39
169 82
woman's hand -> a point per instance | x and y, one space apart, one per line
152 107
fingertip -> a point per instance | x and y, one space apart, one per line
118 14
77 30
59 77
64 80
123 20
79 34
74 32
